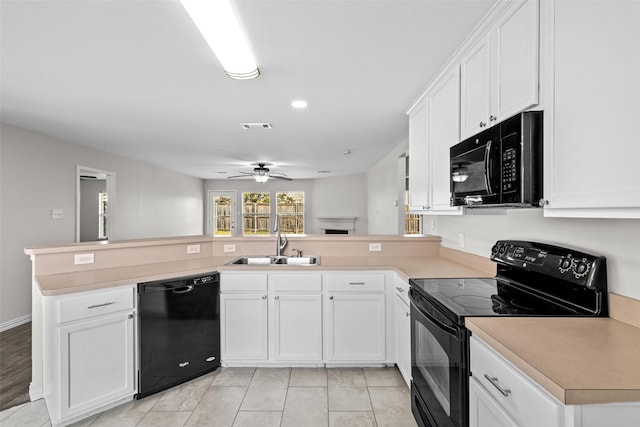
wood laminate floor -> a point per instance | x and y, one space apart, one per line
15 366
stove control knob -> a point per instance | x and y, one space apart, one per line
565 264
503 249
581 269
494 249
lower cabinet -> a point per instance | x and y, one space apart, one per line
303 317
297 325
502 395
356 327
243 320
89 352
484 410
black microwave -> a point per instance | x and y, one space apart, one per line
501 166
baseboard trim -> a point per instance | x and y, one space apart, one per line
15 322
35 393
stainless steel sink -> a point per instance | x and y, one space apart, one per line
275 260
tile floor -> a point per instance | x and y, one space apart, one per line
258 397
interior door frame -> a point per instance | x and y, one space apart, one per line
111 192
211 194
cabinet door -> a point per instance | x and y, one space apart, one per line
484 411
591 147
444 131
403 338
297 327
243 326
418 170
96 362
516 57
475 89
356 327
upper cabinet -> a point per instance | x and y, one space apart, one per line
418 172
499 73
443 123
591 89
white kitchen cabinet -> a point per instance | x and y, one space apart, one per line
403 329
243 326
499 73
443 131
591 107
484 411
418 156
89 359
296 316
516 394
502 395
356 328
297 327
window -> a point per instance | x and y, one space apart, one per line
290 210
256 214
412 221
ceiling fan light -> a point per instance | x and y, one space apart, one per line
220 28
261 178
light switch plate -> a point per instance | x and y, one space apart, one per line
84 259
461 240
193 249
229 248
57 214
375 247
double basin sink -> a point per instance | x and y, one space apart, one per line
275 260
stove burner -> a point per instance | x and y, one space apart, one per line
503 305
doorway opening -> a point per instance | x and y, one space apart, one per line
95 196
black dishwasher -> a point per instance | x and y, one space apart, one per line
179 331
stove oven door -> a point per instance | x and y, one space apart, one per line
439 366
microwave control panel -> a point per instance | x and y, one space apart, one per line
509 170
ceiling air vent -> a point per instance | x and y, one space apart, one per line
256 125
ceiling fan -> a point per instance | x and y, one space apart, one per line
262 174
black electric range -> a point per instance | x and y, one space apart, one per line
533 279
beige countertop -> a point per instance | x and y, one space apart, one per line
419 266
577 360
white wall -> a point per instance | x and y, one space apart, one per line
339 196
617 240
38 173
385 187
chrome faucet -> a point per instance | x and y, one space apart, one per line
281 239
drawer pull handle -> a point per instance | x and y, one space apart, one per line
399 289
356 283
494 381
101 305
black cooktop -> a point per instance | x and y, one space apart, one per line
486 297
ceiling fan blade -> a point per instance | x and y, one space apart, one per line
285 178
241 176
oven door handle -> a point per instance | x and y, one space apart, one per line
445 328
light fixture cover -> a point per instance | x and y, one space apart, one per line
220 28
261 178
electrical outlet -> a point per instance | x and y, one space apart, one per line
432 224
193 249
461 240
229 248
375 247
84 259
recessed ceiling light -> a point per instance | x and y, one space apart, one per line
346 152
299 103
324 171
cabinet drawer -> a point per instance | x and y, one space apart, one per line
309 282
256 282
355 282
525 400
94 303
401 288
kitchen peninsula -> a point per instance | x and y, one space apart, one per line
118 266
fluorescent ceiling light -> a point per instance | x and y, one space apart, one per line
220 28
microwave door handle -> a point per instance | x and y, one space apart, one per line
487 166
